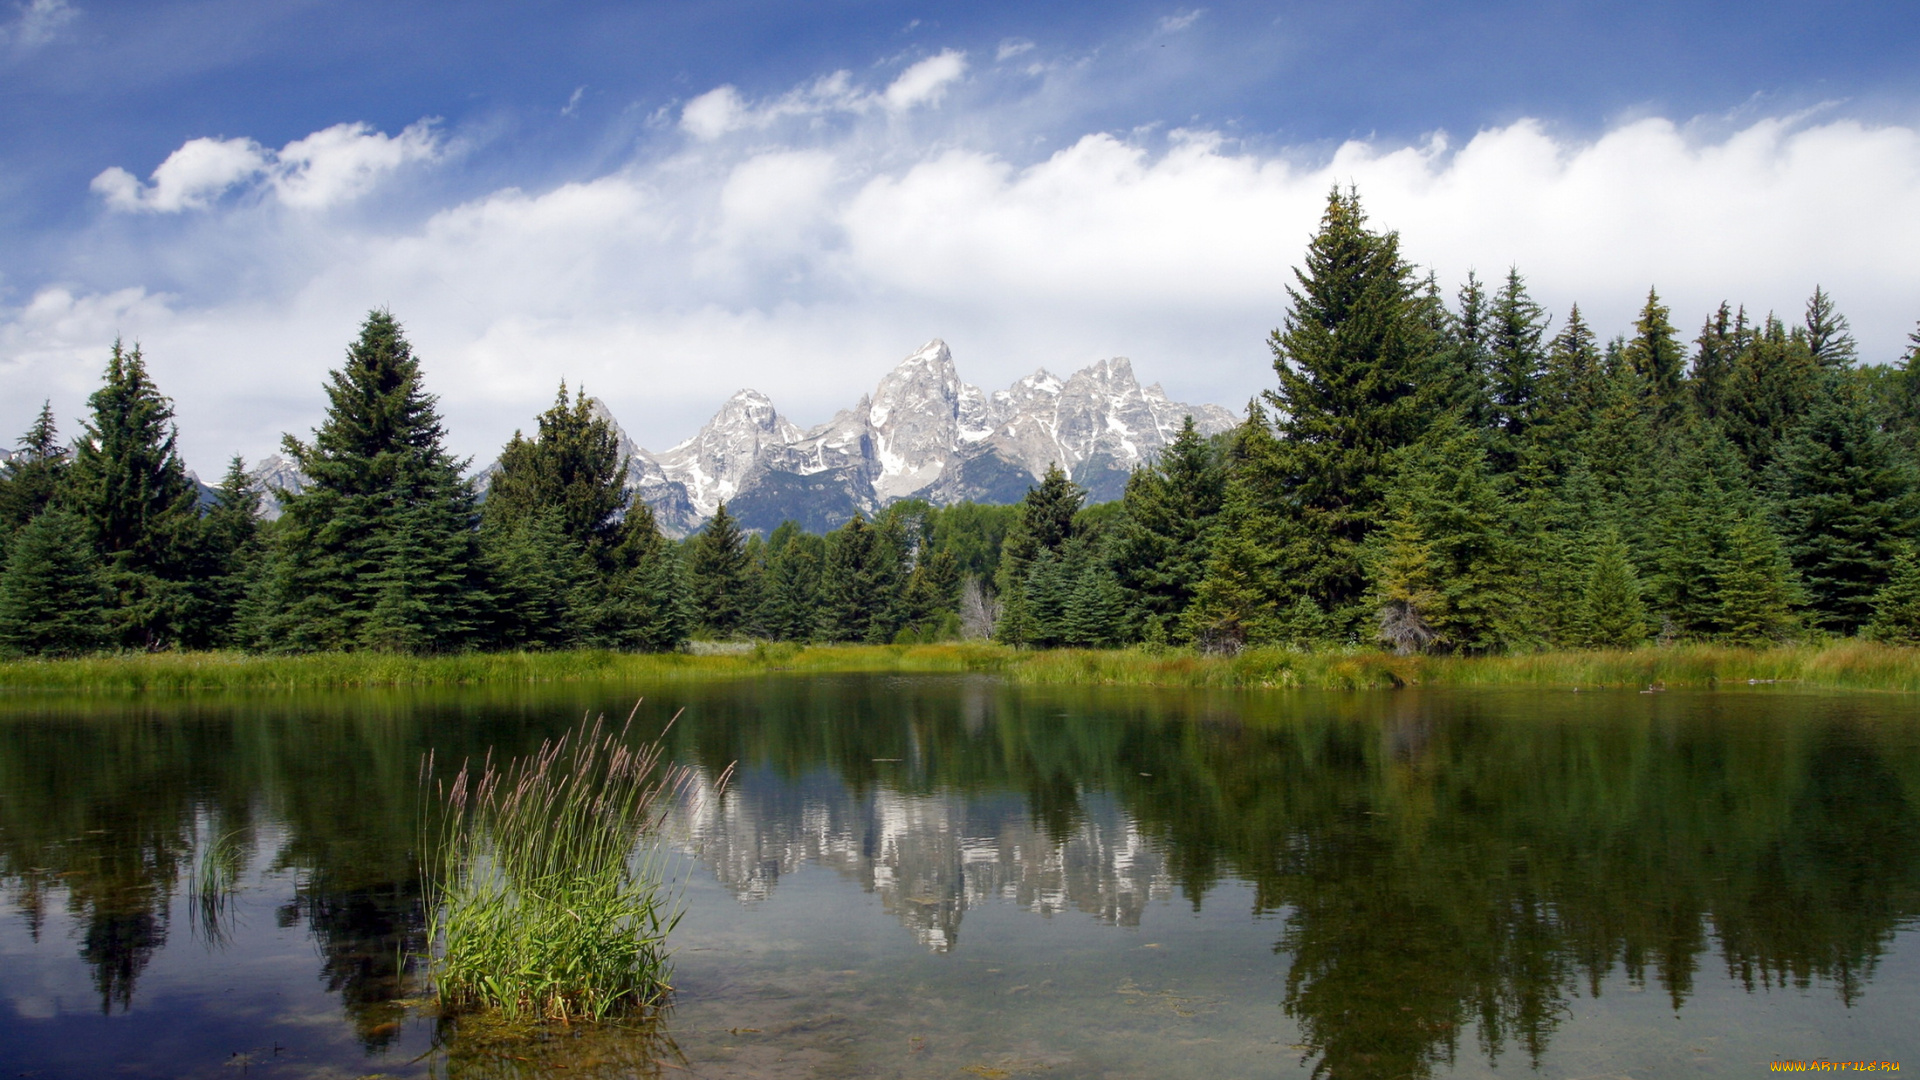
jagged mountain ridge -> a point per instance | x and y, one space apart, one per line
922 433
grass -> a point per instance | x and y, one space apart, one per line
1842 664
544 901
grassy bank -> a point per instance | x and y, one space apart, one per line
1842 665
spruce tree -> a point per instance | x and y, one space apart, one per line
231 554
53 592
29 479
1757 588
643 601
1165 537
542 581
1844 497
1044 527
1467 334
1571 391
1829 338
1722 338
573 468
1517 362
717 564
1360 376
1407 586
1612 615
1655 355
791 603
1896 607
129 483
1773 382
379 550
1095 607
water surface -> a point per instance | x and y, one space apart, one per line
951 877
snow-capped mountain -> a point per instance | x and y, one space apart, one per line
921 433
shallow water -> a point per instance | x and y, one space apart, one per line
950 877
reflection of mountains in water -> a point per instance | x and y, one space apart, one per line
928 857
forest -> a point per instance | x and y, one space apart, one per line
1469 476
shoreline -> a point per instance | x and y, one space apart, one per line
1844 665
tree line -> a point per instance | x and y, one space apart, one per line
1426 475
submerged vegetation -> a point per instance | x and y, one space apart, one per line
1848 664
543 901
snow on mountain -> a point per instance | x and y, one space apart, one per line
922 433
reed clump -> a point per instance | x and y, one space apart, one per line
547 899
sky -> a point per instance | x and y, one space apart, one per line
666 202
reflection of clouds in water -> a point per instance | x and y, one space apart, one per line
928 857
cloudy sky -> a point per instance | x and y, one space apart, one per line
669 201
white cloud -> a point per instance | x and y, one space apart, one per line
323 169
1011 48
196 174
340 163
806 260
39 23
926 82
1180 20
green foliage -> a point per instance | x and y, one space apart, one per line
537 908
791 601
1611 613
1361 375
722 577
129 483
1518 357
1655 355
1845 502
1164 537
1896 607
29 480
53 594
231 555
1773 381
572 469
379 551
1031 560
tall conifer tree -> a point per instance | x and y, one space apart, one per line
379 550
1165 537
1655 355
30 478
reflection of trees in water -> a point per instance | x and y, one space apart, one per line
1440 862
476 1048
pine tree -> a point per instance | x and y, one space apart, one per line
379 550
1612 615
1844 498
1518 362
1722 338
1571 391
230 557
790 608
542 581
1829 339
1896 607
53 595
1773 383
1164 539
1468 335
717 564
29 480
130 485
1044 527
1655 355
1095 607
1361 376
644 601
1757 588
1406 586
573 468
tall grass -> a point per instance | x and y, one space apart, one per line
545 901
1840 664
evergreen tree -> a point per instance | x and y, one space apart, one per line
1845 501
1655 355
1518 361
1407 586
718 566
1758 589
1095 608
644 601
31 477
1773 382
1044 526
230 556
1468 335
379 550
1722 338
53 595
1829 339
572 468
790 609
1164 539
542 581
1571 392
130 485
932 597
1361 376
1896 607
1612 615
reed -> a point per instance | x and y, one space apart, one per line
546 899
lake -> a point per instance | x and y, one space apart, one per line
953 877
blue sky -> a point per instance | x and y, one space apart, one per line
672 201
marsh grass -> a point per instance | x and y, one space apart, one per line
546 892
1844 664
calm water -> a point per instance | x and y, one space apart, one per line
947 877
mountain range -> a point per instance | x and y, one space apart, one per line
922 433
